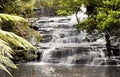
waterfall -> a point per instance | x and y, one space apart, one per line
62 43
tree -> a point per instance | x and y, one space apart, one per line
104 16
68 7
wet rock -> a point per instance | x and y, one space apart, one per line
64 52
64 20
46 31
38 56
82 61
64 26
111 62
70 39
115 51
35 28
53 60
46 38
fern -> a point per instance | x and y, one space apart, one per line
8 41
5 49
15 40
5 54
4 68
7 62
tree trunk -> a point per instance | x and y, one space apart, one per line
78 9
108 45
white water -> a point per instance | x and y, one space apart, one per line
62 43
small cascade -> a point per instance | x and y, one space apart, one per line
47 55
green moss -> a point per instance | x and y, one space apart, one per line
19 26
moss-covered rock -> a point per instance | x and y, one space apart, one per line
9 25
19 26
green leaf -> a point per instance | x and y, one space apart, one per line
7 62
4 68
15 40
5 49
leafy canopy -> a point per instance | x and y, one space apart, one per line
103 16
67 7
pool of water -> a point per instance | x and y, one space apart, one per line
58 70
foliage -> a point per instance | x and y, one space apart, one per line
104 16
12 44
5 54
15 40
8 42
67 7
19 7
19 26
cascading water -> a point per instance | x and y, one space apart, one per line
62 43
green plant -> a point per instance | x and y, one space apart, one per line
5 55
8 43
11 43
19 26
15 40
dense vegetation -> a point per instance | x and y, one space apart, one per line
17 7
19 26
13 32
10 43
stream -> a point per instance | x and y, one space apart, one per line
52 70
